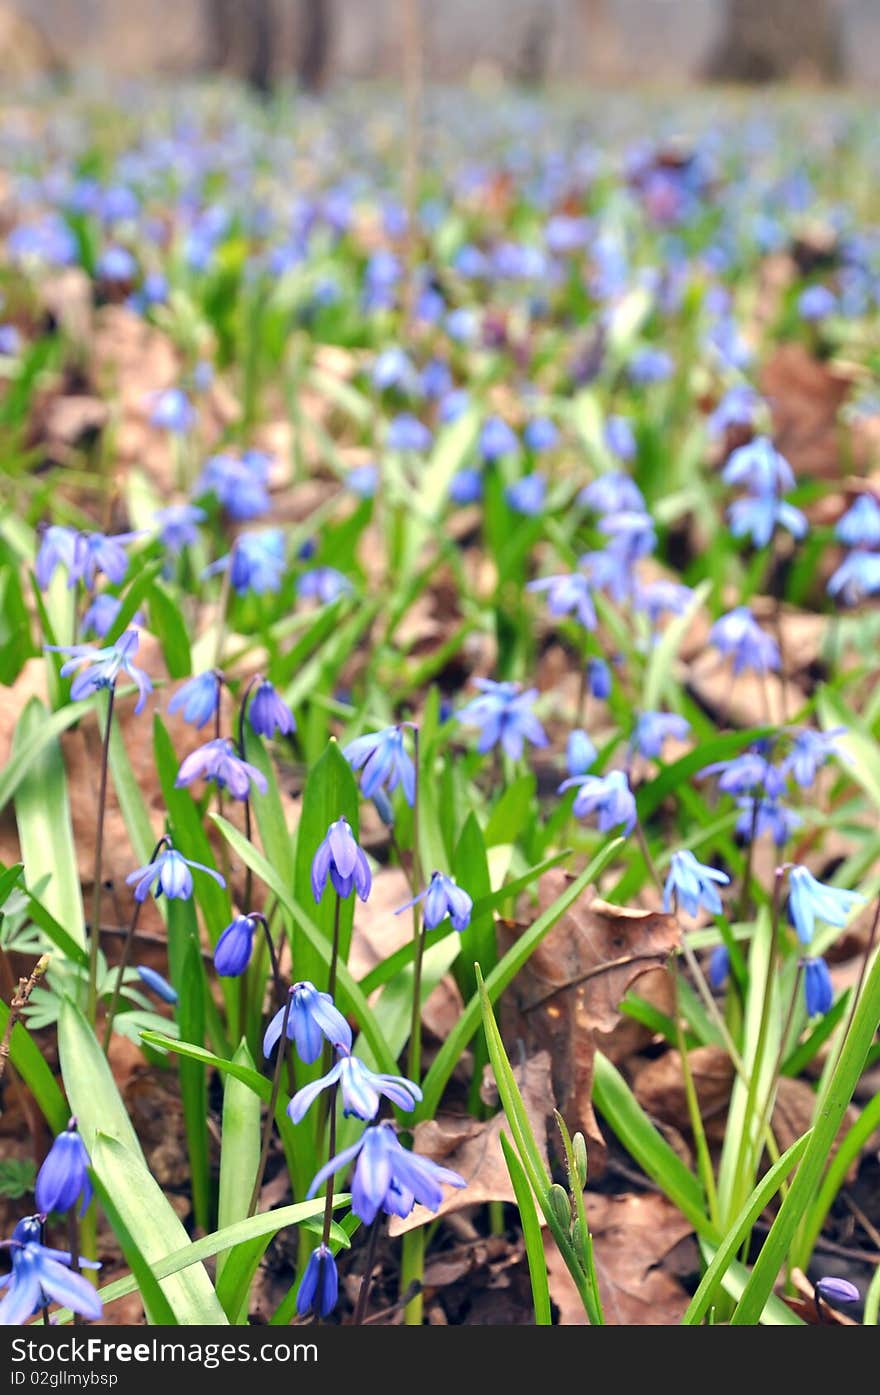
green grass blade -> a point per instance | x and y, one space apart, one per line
532 1236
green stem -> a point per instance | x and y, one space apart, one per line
412 1268
270 1113
95 939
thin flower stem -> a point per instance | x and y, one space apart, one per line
95 936
270 1113
704 1160
126 953
363 1298
334 951
273 957
646 854
331 1153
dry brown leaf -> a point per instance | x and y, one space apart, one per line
805 396
659 1088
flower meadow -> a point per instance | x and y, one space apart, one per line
439 857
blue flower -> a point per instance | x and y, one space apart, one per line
394 369
233 950
387 1177
218 761
116 264
319 1289
816 303
857 576
653 728
102 667
759 515
363 480
835 1290
63 1179
693 884
170 873
621 441
609 796
313 1019
385 761
526 496
768 816
860 525
178 525
810 750
239 485
340 857
497 439
443 897
466 487
579 752
57 549
40 1276
99 552
157 984
632 531
738 407
198 697
719 966
541 434
100 617
568 594
453 406
740 635
268 713
759 467
746 772
172 411
407 433
818 989
10 341
504 713
663 597
324 584
650 365
361 1089
599 679
256 562
811 900
612 492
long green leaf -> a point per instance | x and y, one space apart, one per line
20 763
239 1159
110 1170
45 832
532 1236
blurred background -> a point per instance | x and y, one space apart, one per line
527 41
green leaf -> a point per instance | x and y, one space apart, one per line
30 1063
653 792
532 1236
512 812
169 628
239 1160
658 677
42 736
110 1170
136 593
42 812
188 978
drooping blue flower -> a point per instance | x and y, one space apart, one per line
527 495
835 1290
609 796
599 679
579 752
101 667
497 439
504 714
663 597
739 634
738 407
100 552
620 440
818 988
268 713
340 857
258 562
442 898
313 1019
319 1289
101 615
172 411
453 406
361 1089
568 594
57 549
611 570
745 773
766 816
719 966
760 468
809 752
693 884
219 761
178 526
40 1276
613 492
197 698
10 341
157 984
631 530
466 487
63 1179
757 516
857 577
650 365
116 264
239 485
654 728
816 303
363 480
811 900
860 525
324 584
385 762
232 952
541 434
407 433
169 872
387 1177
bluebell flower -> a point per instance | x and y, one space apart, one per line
268 713
239 485
360 1087
609 796
178 526
340 857
757 517
466 487
436 379
10 341
319 1289
835 1290
610 570
394 369
633 530
568 594
810 750
99 552
527 495
218 761
654 728
860 525
739 634
453 406
63 1179
442 898
324 584
620 440
504 714
385 762
57 549
663 597
257 562
719 966
116 264
101 615
738 407
745 773
102 667
313 1019
599 679
172 411
387 1177
157 984
169 872
650 365
579 752
497 439
362 480
40 1276
541 434
857 577
767 816
407 433
232 952
759 467
816 303
198 698
693 884
811 900
612 492
818 989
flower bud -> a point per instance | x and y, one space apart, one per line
579 1149
560 1205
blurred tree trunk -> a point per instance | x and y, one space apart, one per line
219 30
316 28
772 40
261 22
600 37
